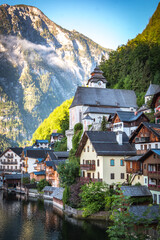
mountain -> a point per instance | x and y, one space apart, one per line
136 64
41 65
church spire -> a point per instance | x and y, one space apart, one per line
97 79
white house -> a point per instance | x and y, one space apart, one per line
10 160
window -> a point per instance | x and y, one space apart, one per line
83 173
149 146
122 162
130 164
122 175
144 166
141 147
156 145
145 180
98 175
83 161
93 175
15 167
97 162
155 198
145 147
112 162
88 149
112 175
84 149
92 149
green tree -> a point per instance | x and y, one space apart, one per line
42 183
103 124
68 173
94 197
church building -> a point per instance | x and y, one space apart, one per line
94 101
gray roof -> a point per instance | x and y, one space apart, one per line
146 212
55 163
17 176
48 189
101 110
105 144
136 191
153 88
87 118
128 116
64 154
89 96
58 193
133 158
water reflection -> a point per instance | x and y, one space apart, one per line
29 219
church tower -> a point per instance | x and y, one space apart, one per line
97 79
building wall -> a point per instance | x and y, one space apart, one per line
98 84
10 162
31 165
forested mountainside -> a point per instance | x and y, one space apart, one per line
41 65
136 64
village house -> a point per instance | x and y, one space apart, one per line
55 137
102 156
151 172
97 101
14 180
145 137
10 160
41 144
156 106
127 121
152 90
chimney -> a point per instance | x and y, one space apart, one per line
119 137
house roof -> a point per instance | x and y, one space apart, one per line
64 154
153 89
41 141
40 173
87 118
55 163
89 96
58 193
126 116
105 144
136 191
49 189
145 212
101 110
16 150
37 153
133 158
56 134
154 128
16 176
150 152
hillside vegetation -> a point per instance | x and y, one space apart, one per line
135 65
57 120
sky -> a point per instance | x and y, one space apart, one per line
109 23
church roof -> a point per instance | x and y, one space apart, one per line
87 96
153 88
101 110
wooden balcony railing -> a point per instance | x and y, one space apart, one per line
4 162
154 187
88 167
87 179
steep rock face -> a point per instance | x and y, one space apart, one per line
41 65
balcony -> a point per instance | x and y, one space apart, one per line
88 167
4 162
154 174
142 140
11 170
154 187
8 156
88 180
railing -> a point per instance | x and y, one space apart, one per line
87 179
11 170
154 187
88 167
154 174
4 162
6 156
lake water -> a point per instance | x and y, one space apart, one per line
32 219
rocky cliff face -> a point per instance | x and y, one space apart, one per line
41 65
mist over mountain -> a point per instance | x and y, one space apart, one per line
41 65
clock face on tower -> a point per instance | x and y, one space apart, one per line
99 83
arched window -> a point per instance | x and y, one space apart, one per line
112 162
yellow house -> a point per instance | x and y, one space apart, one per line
102 156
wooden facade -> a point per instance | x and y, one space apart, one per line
133 167
126 123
